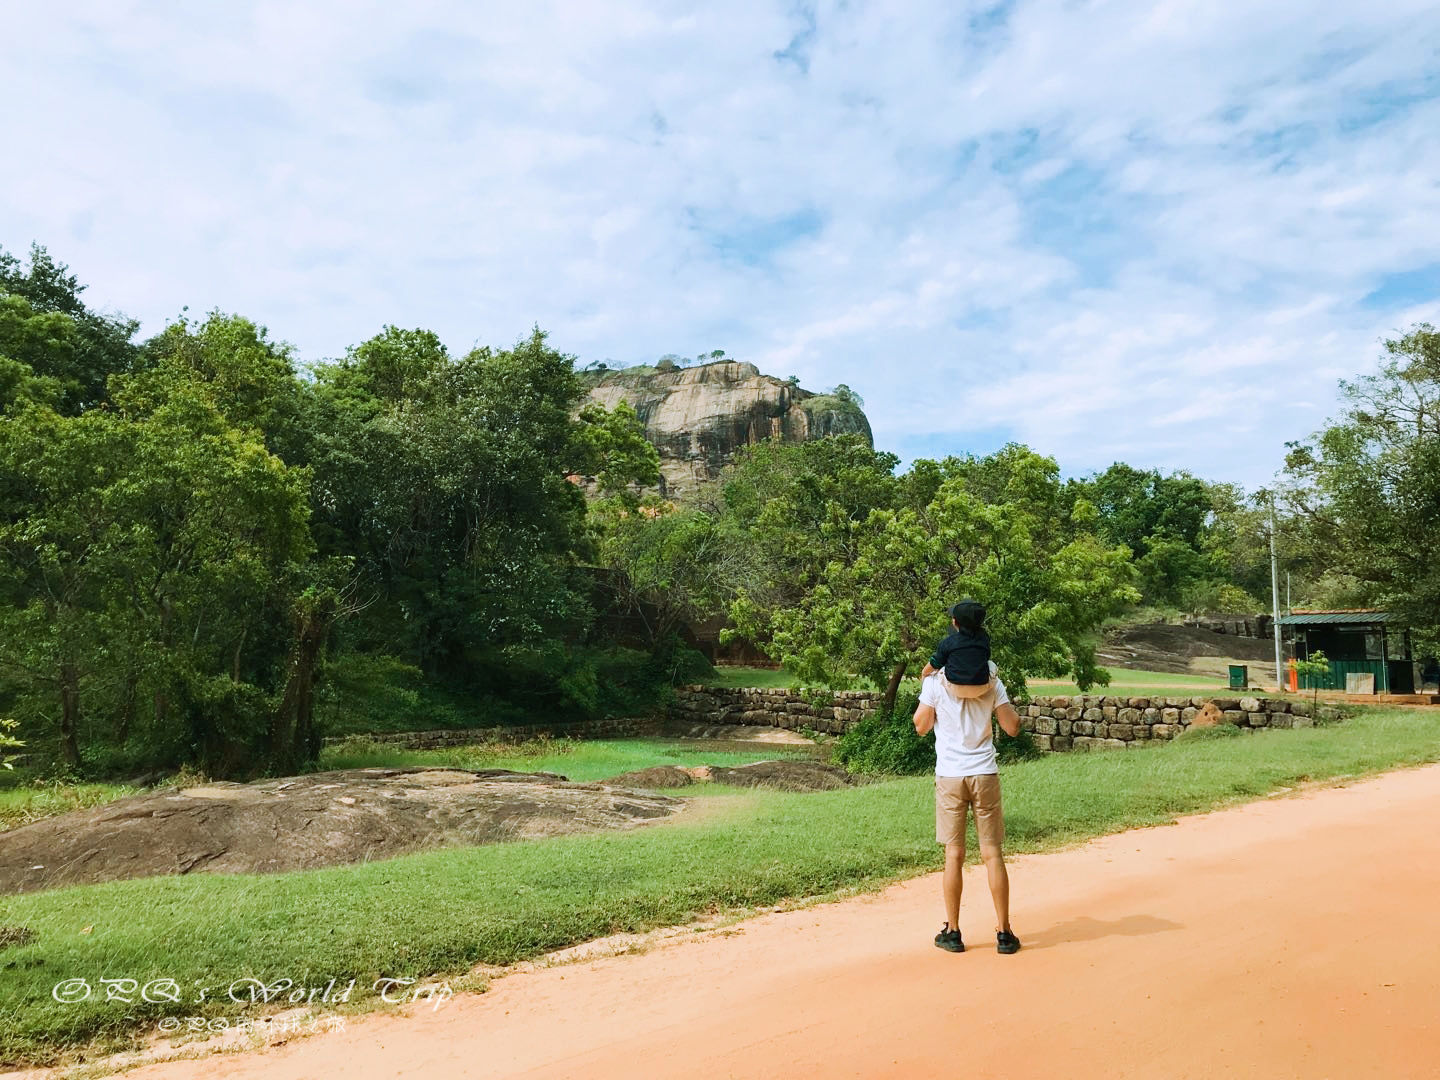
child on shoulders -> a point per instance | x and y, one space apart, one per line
964 653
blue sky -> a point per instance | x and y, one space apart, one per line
1156 232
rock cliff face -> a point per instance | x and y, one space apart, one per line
698 417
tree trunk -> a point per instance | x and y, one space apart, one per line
892 688
161 698
294 738
127 710
70 713
235 661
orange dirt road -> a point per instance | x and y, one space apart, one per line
1295 937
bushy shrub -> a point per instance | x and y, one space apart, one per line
1012 748
590 682
8 741
365 692
888 744
631 682
545 683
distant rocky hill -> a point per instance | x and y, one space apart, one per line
698 417
1194 650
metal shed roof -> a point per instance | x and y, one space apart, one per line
1360 617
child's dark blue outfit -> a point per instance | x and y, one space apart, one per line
964 655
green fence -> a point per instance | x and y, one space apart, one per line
1335 680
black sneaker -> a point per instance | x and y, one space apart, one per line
1005 942
949 940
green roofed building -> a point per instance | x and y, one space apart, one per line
1356 642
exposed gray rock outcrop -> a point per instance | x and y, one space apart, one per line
698 417
303 822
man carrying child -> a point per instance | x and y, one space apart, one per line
960 691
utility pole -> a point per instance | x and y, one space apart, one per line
1275 599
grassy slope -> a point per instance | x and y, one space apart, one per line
445 911
751 678
582 762
23 803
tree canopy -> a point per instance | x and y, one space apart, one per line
95 346
871 581
1366 488
192 529
207 553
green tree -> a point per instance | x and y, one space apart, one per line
1367 486
1013 476
394 366
877 613
147 548
51 515
31 344
100 345
1135 505
248 378
671 566
1315 668
1163 520
1236 547
610 445
785 511
1170 569
447 482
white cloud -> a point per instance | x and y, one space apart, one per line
1133 230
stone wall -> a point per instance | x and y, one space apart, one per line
791 709
1083 722
1092 721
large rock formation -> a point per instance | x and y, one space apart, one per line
697 417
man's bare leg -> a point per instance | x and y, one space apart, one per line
999 882
954 882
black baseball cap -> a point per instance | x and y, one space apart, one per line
969 613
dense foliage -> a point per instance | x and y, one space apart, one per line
879 584
192 529
1197 546
1366 489
210 556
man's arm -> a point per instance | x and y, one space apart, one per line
924 719
1006 714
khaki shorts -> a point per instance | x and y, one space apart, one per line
953 794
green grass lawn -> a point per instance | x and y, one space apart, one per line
751 678
445 911
581 761
24 801
1127 683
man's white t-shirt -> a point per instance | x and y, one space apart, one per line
963 742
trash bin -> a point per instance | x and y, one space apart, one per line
1239 677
